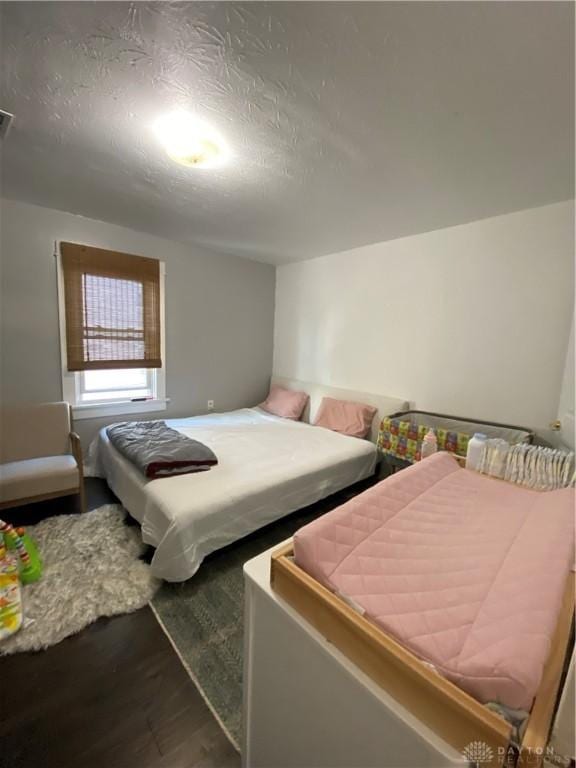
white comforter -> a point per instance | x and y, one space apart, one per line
267 468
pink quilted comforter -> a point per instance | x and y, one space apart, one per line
466 571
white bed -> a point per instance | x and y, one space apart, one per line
268 467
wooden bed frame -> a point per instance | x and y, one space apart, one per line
439 704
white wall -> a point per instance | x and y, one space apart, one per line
219 314
566 405
472 320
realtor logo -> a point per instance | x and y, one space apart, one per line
478 752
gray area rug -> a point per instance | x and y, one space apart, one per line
92 568
204 617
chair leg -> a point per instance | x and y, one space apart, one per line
77 453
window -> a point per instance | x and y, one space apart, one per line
113 385
111 322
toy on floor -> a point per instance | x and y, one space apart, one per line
19 564
18 541
10 596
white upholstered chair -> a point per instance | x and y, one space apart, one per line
40 457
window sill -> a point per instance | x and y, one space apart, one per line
98 410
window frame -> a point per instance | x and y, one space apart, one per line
71 379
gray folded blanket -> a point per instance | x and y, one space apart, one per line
157 450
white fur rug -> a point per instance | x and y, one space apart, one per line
91 569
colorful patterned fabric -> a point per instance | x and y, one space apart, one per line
403 439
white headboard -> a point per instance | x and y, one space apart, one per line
385 405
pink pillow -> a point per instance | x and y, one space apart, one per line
353 419
285 403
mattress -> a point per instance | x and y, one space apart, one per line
466 571
267 468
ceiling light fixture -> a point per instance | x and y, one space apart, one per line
190 141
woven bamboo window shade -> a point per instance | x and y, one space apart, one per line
112 306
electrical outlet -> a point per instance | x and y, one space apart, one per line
210 405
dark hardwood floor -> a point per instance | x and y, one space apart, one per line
113 696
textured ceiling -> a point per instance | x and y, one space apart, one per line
349 123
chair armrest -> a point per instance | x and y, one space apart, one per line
77 452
